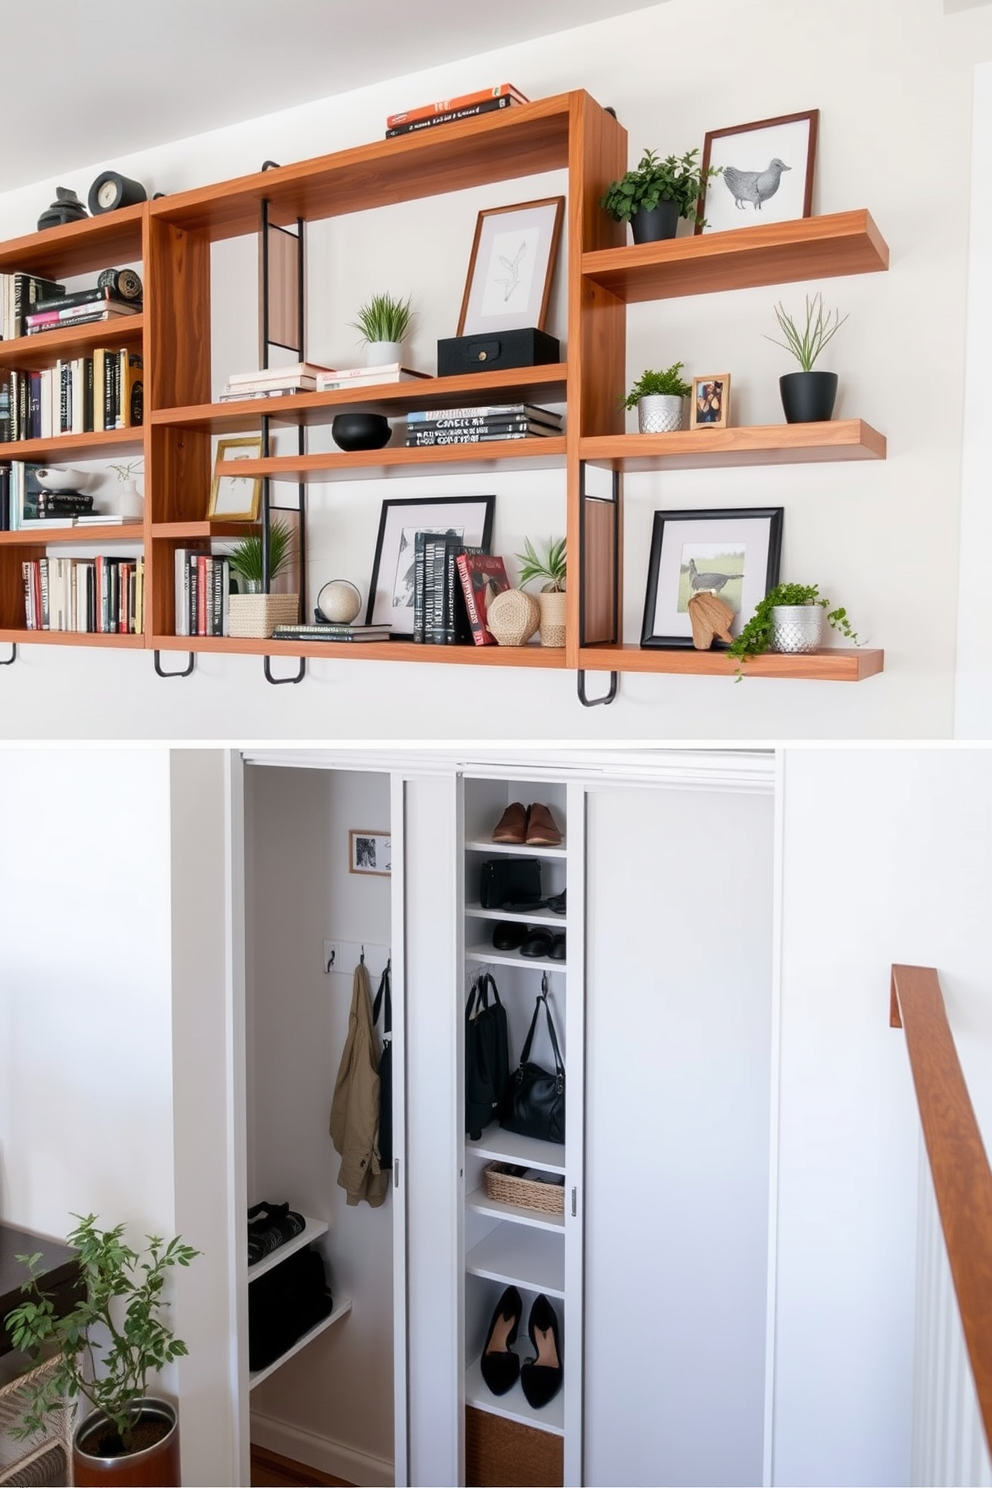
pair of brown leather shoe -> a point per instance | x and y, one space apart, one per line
533 826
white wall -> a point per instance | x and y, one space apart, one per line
887 857
892 81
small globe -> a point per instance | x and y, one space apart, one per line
339 602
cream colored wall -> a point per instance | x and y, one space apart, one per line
892 81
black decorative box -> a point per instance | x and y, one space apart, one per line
524 348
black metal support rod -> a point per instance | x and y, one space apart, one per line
13 655
279 681
186 673
607 697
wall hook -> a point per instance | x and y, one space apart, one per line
12 656
186 673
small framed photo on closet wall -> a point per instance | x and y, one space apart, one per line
370 852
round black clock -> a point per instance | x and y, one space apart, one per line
111 190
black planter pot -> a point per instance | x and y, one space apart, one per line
808 397
661 222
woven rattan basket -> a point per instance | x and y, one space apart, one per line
255 616
508 1188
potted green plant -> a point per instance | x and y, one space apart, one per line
808 396
105 1349
788 619
384 323
656 194
659 398
550 568
252 613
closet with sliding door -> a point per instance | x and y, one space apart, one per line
622 1260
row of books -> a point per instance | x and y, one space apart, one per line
19 293
481 424
450 110
101 595
203 592
452 585
307 377
80 395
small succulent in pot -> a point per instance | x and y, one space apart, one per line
659 398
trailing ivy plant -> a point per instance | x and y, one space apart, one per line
676 178
550 568
114 1337
756 635
651 384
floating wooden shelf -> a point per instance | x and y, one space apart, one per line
31 352
79 247
552 658
773 253
830 664
24 637
758 444
64 447
522 454
30 537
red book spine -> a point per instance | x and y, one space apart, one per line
446 105
479 634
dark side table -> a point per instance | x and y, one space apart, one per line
59 1265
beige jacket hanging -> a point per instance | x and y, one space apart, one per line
354 1122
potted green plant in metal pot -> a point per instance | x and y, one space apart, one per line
659 398
789 619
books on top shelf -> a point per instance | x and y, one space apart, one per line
482 577
488 104
19 295
354 377
464 100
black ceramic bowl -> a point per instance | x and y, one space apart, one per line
360 431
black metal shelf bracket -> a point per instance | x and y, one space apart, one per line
13 655
186 673
607 697
279 681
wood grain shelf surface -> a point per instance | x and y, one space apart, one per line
32 352
26 537
24 637
756 444
63 447
747 257
538 453
829 664
78 247
547 657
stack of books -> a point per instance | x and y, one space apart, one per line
449 110
327 630
59 311
348 378
485 422
79 395
272 382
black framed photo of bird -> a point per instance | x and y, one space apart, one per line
728 559
765 172
710 405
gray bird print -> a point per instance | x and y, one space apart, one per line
714 581
754 186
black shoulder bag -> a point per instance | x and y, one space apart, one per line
487 1060
535 1098
383 999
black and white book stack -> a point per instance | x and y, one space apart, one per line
485 423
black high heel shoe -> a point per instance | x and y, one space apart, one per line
500 1365
541 1377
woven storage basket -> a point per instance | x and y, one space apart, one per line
509 1189
513 616
255 616
42 1459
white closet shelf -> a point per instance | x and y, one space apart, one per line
538 1219
340 1311
488 953
497 1145
537 917
520 1256
513 1406
312 1230
515 849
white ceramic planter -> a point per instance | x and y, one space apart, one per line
796 629
379 353
661 413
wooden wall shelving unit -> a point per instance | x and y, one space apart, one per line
171 238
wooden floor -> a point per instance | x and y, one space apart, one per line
269 1470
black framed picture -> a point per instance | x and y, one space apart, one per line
733 553
391 591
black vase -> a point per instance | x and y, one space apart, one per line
360 431
808 397
660 222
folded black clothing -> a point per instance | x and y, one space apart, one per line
269 1226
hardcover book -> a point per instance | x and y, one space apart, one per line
487 106
482 576
448 105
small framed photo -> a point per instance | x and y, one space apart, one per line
391 592
511 268
732 553
710 402
766 172
234 497
370 852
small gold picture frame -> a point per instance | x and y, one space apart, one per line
710 407
234 497
370 852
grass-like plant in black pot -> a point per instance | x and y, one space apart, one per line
808 396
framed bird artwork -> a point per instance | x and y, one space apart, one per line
732 554
764 172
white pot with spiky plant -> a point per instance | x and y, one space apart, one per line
253 613
808 396
129 502
384 323
549 568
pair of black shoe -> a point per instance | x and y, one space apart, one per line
540 1377
530 940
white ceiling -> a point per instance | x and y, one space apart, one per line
88 79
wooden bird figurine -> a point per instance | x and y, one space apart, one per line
710 616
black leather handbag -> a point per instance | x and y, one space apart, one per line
510 883
487 1060
535 1097
383 1000
285 1303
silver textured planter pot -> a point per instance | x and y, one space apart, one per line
660 413
796 629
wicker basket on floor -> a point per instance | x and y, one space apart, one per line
509 1188
43 1459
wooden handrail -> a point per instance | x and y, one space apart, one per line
962 1178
